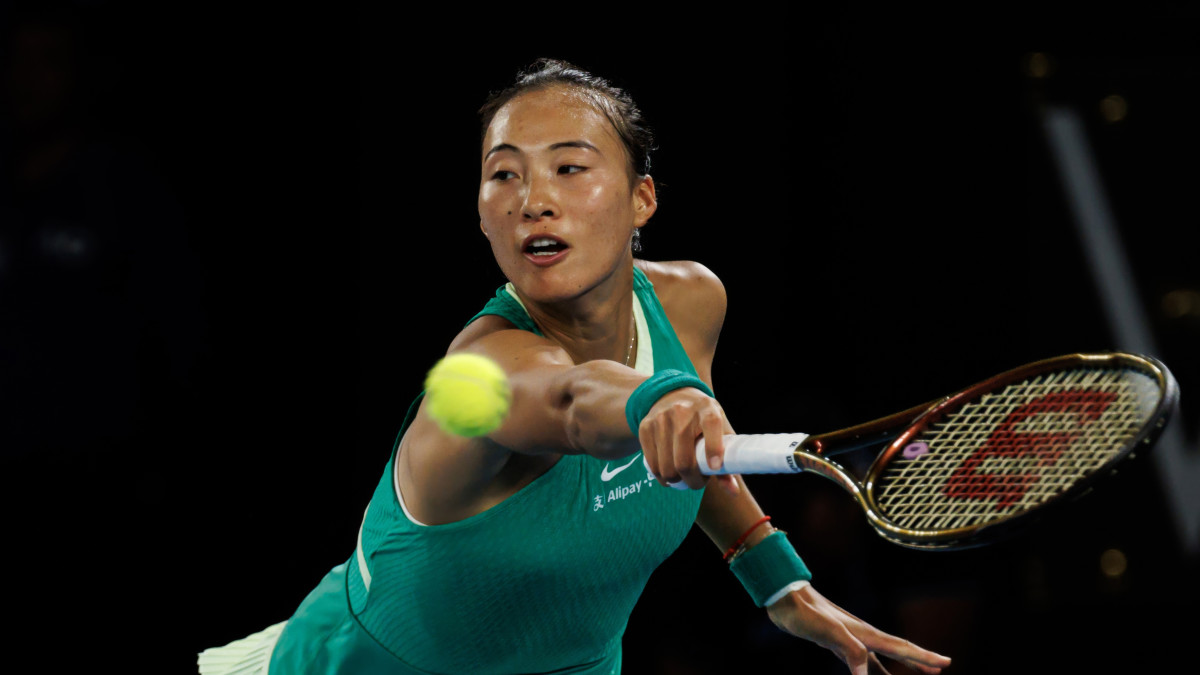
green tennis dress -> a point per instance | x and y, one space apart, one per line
543 582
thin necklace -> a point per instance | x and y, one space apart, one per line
632 339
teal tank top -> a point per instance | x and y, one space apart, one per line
543 582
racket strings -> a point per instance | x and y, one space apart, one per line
1016 448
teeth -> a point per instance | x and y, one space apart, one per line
542 243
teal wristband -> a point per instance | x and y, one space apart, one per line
769 567
648 392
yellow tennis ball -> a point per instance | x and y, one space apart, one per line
467 395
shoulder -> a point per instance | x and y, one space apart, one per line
494 333
678 272
691 294
480 328
683 280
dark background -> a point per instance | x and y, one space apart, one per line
233 240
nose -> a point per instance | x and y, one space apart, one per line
540 200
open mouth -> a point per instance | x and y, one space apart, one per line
545 247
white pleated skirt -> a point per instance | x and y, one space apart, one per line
250 655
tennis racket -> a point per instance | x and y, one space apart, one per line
971 468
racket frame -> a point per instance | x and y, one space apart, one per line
812 454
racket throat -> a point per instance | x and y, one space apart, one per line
866 435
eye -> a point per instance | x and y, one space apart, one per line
571 168
502 175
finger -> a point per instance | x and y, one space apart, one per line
847 647
924 667
875 666
667 472
931 670
684 447
898 648
651 434
859 663
713 426
649 447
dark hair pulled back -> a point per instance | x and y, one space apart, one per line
616 105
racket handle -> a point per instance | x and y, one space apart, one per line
750 453
754 453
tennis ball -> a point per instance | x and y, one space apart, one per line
467 395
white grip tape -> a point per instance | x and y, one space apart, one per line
755 453
750 453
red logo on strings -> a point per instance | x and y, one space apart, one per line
968 482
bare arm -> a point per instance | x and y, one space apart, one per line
558 406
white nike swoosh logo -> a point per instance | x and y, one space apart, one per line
607 475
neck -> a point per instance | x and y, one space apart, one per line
595 325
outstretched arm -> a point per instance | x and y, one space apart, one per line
558 407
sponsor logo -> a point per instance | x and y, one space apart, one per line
619 493
607 475
1027 454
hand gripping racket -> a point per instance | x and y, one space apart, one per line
970 468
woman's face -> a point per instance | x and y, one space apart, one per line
554 195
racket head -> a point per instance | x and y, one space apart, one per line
982 463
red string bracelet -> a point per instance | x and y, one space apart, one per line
738 544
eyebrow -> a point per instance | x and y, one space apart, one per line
555 146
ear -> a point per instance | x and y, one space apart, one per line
645 201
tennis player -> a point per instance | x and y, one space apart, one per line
525 551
